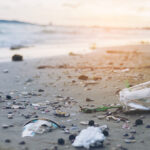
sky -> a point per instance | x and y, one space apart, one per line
122 13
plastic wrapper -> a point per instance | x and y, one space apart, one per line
38 126
136 97
90 137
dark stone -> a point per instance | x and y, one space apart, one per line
61 141
62 126
22 143
138 122
72 137
5 126
123 148
131 137
133 131
11 125
148 126
91 123
8 97
27 116
17 58
7 107
9 112
40 90
36 116
126 134
106 133
7 141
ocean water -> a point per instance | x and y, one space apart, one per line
62 39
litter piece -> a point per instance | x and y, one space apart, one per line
98 109
61 114
112 117
83 77
89 137
136 97
38 126
129 141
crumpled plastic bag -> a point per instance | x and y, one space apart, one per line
136 97
89 137
38 126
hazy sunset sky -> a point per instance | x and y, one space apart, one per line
133 13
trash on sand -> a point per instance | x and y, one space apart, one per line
112 117
74 54
93 46
83 77
126 125
91 82
136 97
129 141
61 114
90 137
88 123
122 70
89 100
38 126
101 108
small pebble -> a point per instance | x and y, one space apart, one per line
72 137
123 148
8 97
106 133
40 90
7 141
133 131
142 141
22 143
5 126
61 141
5 71
10 116
91 123
126 134
148 126
131 137
138 122
27 116
54 148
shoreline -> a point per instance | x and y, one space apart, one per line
24 80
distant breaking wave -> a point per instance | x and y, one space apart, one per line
22 34
15 22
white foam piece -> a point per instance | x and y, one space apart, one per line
88 136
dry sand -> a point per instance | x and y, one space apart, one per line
61 78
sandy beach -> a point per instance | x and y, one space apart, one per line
53 83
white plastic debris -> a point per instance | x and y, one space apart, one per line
136 97
88 137
38 126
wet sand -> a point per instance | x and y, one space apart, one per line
59 80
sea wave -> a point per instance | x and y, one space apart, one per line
14 33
